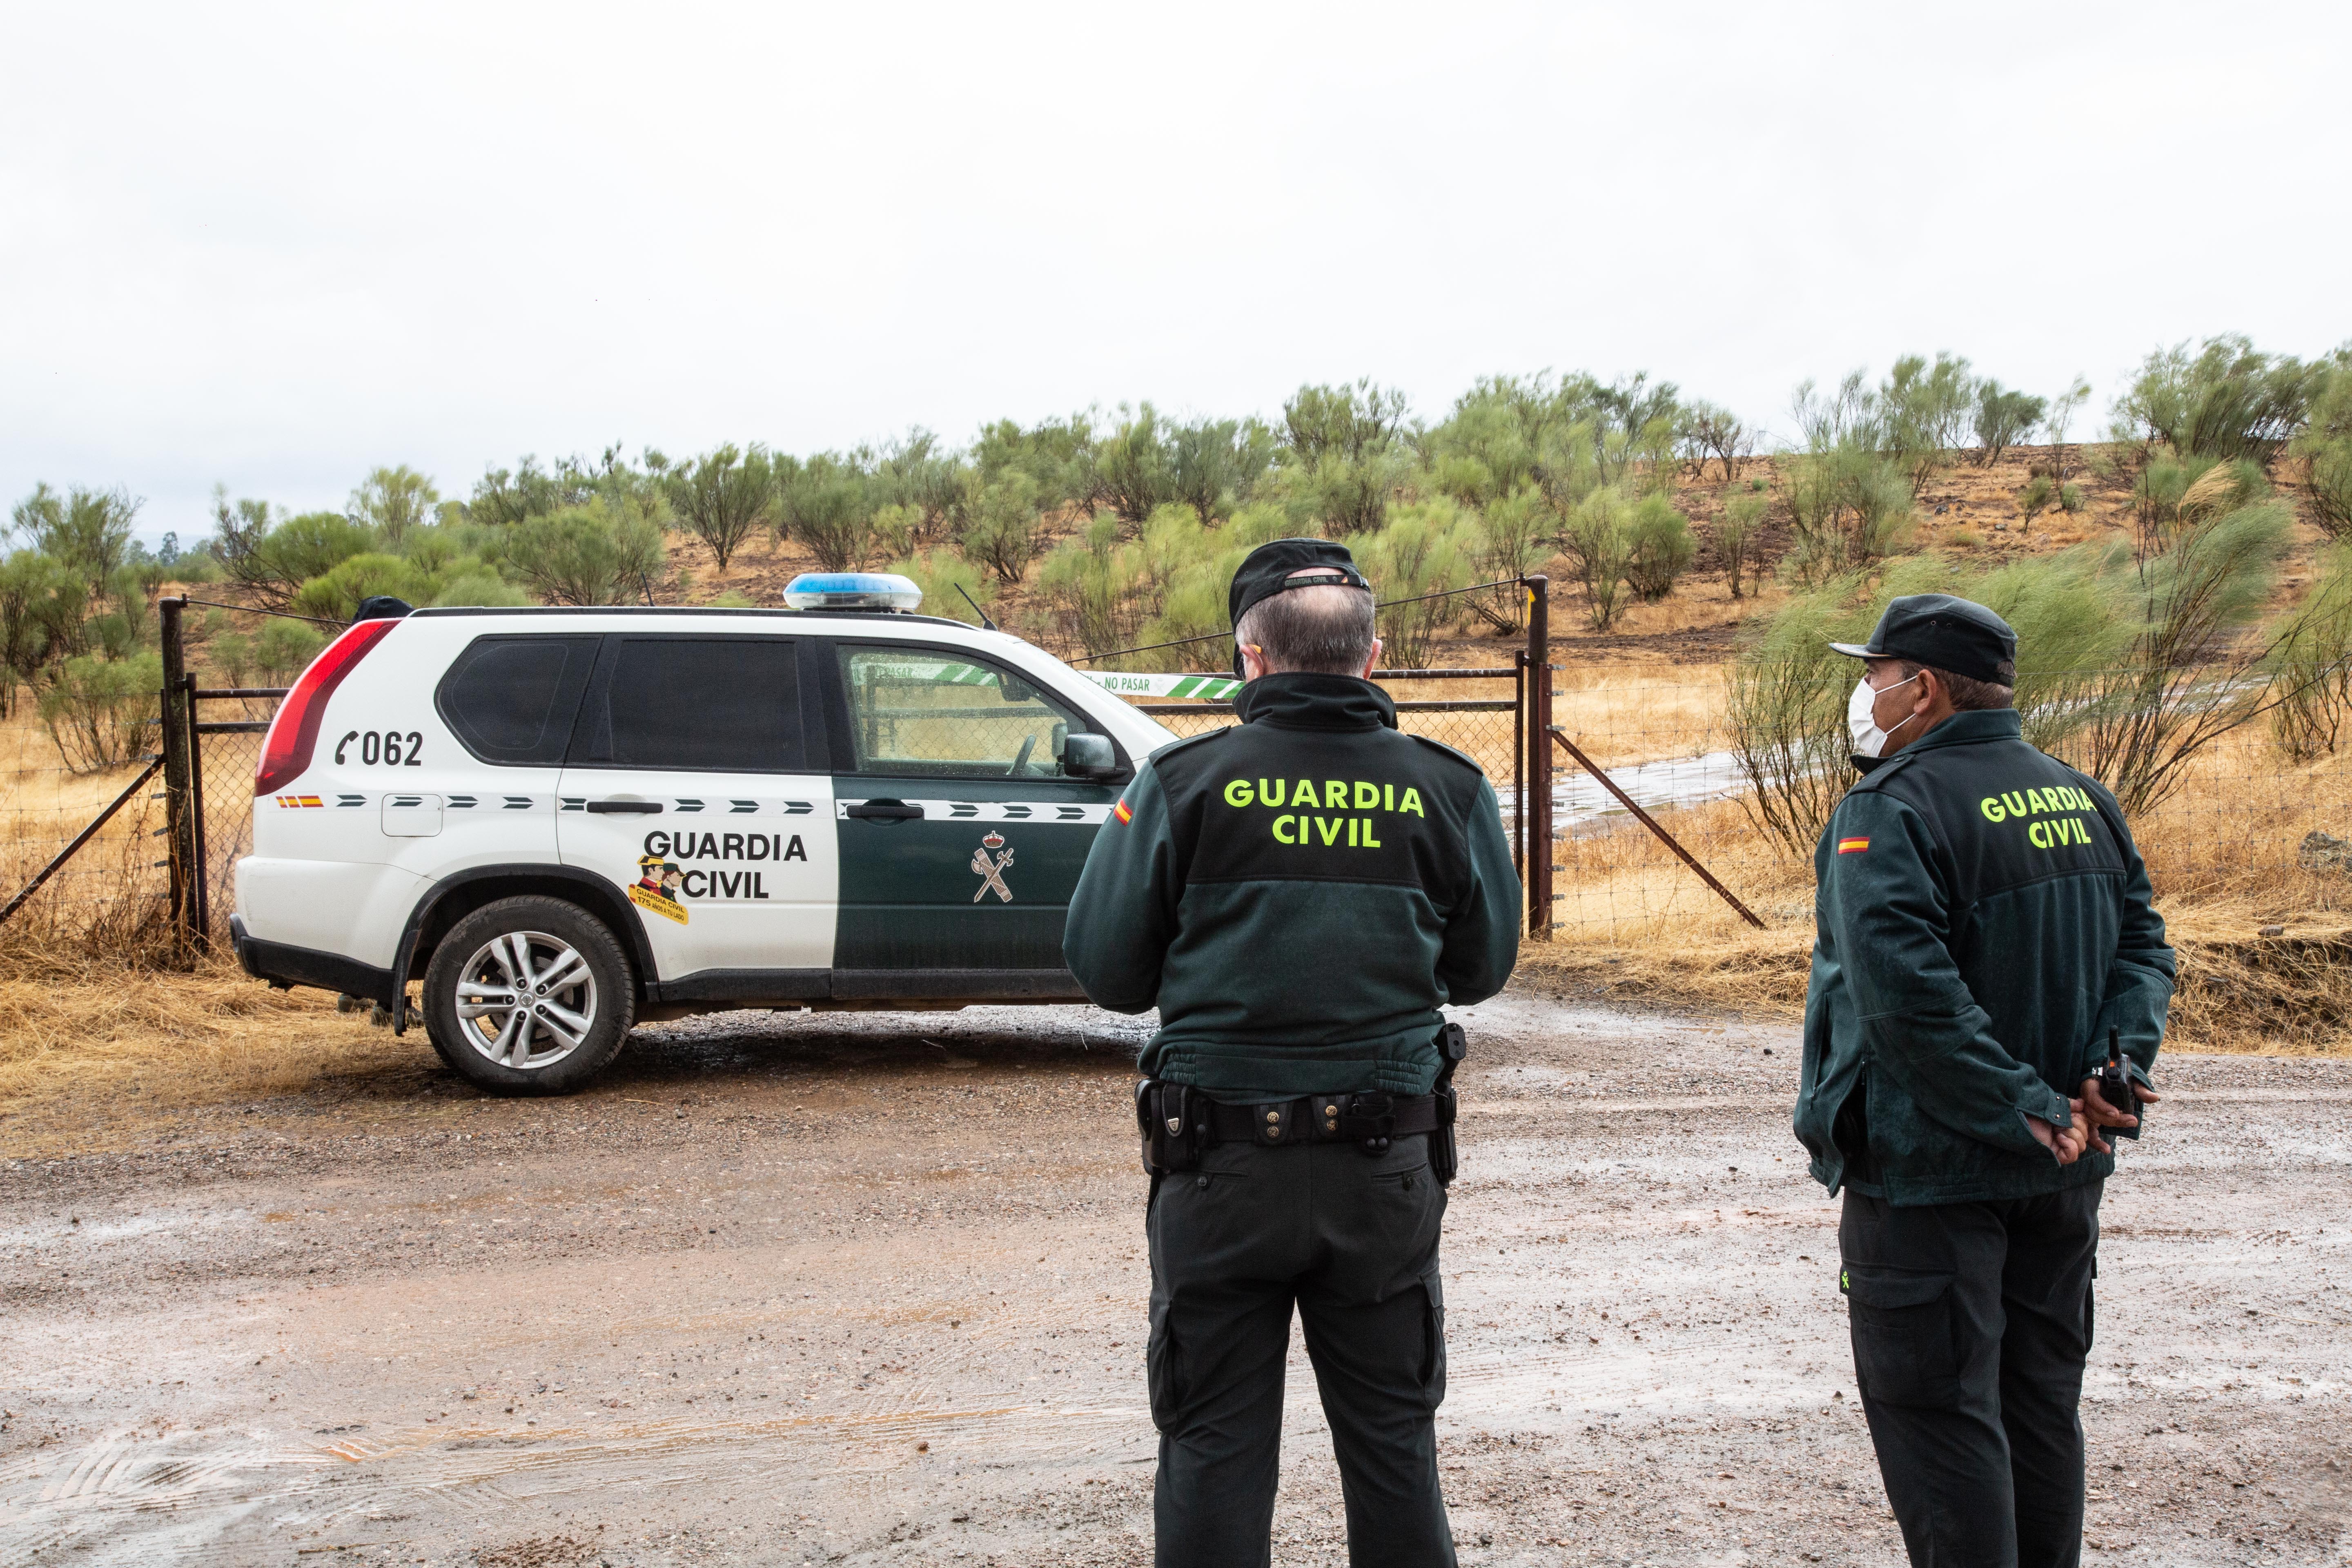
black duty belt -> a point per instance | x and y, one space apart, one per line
1323 1118
1178 1121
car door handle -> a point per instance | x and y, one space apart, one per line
883 811
623 807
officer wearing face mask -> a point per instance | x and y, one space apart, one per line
1983 931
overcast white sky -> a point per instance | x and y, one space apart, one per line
277 244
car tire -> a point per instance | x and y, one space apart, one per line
528 995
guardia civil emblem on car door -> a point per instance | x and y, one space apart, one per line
991 869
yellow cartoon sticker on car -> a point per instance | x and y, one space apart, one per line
659 885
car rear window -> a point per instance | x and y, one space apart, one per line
512 700
705 704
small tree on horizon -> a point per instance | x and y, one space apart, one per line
723 496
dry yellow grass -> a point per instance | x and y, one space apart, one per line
81 1039
2221 852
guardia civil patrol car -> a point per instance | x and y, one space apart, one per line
565 821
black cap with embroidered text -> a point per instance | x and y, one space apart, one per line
1284 565
1943 633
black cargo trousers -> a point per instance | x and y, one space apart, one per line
1350 1239
1971 1325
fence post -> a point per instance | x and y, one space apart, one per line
1536 802
179 818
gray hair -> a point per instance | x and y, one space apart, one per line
1317 631
1969 695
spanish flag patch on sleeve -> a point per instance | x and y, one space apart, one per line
1852 846
1120 814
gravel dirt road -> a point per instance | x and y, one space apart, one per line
871 1289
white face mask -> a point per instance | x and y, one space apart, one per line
1869 740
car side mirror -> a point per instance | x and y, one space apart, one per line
1089 757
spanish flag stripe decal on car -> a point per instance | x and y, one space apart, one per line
1121 812
1852 846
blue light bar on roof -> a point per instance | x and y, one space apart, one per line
852 590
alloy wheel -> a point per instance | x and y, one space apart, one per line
526 999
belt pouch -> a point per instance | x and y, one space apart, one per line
1170 1117
1444 1162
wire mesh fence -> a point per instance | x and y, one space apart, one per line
2246 829
111 884
228 763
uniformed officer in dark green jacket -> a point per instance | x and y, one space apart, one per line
1983 924
1297 896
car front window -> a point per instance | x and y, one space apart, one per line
918 712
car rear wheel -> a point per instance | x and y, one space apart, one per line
528 995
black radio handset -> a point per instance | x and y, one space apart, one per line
2116 1085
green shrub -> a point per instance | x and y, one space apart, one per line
41 606
899 530
2002 419
720 498
86 530
1599 547
230 654
282 650
1343 458
2325 444
2226 401
998 524
1094 587
1508 539
336 594
828 506
2327 472
2184 684
394 500
2035 498
114 637
2312 664
479 588
299 549
1420 552
1924 409
1659 547
1735 540
585 555
1848 507
940 573
100 712
2071 499
2173 492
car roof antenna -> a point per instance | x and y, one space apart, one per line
985 623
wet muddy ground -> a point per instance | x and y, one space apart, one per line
871 1289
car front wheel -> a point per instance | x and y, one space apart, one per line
528 995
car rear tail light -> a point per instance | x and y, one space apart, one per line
294 733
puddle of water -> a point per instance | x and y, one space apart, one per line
1579 803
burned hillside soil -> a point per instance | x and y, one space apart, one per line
866 1290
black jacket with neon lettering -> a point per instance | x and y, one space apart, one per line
1297 895
1981 919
